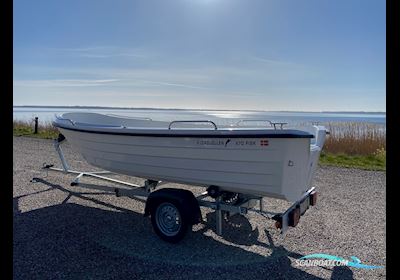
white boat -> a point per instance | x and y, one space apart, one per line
261 161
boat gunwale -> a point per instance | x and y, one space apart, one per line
231 133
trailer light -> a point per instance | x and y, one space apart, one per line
313 198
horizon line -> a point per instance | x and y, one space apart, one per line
192 109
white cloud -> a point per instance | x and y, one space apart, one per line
103 52
270 61
62 83
175 85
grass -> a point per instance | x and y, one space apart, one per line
45 131
366 162
355 145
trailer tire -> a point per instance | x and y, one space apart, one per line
169 221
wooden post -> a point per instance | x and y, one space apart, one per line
36 125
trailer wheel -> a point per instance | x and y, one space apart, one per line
168 221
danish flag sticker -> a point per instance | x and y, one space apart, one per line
264 142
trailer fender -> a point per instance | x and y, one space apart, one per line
185 198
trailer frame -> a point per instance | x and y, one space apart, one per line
247 203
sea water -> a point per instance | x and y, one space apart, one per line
47 114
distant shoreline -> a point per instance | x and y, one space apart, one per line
179 109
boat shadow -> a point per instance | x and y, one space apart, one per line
249 236
96 239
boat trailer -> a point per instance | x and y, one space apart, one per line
172 210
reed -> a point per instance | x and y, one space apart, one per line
353 138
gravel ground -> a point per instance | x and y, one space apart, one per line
79 232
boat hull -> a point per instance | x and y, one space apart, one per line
261 166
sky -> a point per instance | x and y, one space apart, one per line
311 55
